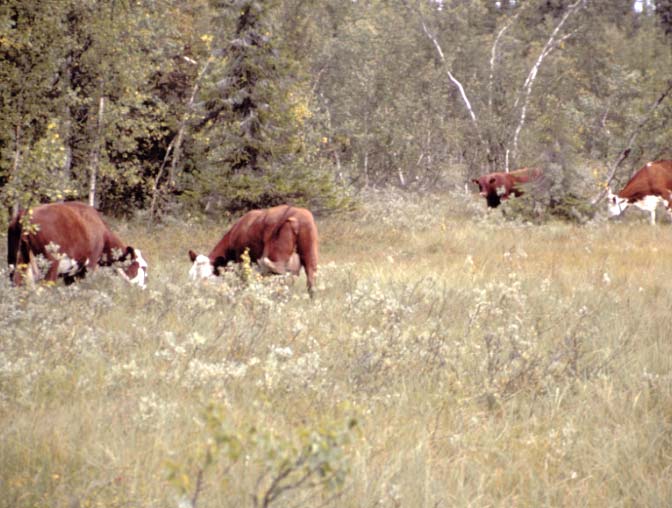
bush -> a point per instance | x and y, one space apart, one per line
558 194
300 185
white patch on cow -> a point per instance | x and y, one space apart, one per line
67 266
501 190
616 205
141 277
292 265
649 204
267 266
201 269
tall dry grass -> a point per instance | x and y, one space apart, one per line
485 363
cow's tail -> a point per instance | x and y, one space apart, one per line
17 248
277 227
265 262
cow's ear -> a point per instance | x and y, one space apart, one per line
192 255
128 253
493 180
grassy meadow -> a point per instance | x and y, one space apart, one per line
450 358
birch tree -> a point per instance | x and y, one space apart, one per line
554 41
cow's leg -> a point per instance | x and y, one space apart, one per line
294 264
668 204
71 279
308 257
52 273
310 276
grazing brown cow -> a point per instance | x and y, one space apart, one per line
651 185
280 239
71 238
496 187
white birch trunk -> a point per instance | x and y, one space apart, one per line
531 77
493 59
176 143
450 75
16 163
95 163
366 169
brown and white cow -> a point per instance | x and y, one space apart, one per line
651 185
497 187
71 238
280 239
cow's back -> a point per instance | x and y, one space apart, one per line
525 175
655 178
101 234
246 233
62 225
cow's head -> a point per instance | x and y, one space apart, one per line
482 186
135 269
202 267
494 187
616 205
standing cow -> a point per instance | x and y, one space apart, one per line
280 239
651 185
71 238
497 187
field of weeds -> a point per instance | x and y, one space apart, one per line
450 358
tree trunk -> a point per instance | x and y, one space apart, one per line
493 60
551 44
176 144
16 163
628 146
95 159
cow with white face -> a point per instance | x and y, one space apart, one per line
497 187
201 268
68 239
280 240
649 187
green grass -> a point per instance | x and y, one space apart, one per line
486 363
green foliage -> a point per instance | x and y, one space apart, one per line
308 462
300 185
253 146
224 106
559 195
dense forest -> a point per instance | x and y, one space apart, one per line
165 106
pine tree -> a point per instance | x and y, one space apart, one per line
251 146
